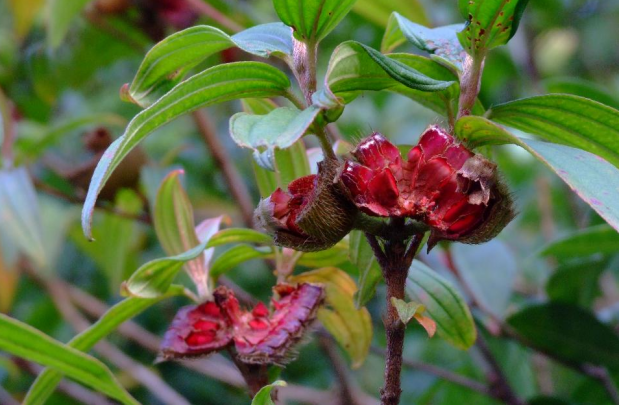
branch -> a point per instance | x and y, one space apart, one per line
8 128
442 373
233 179
211 12
341 371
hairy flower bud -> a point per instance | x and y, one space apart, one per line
455 192
259 336
314 214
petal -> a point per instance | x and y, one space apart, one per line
457 155
376 152
434 141
355 178
383 190
302 186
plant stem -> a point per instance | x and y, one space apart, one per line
304 67
470 83
326 145
8 128
394 260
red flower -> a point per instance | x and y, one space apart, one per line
259 337
442 184
313 215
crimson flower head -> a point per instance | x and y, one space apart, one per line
314 214
455 192
259 336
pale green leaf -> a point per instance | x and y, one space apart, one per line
407 310
312 20
263 397
369 272
591 177
379 11
24 341
215 85
566 119
443 304
60 14
236 255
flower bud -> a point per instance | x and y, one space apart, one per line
455 192
313 215
259 336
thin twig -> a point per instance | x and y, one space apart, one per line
233 179
498 382
442 373
211 12
8 128
340 370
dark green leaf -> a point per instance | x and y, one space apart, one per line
215 85
369 272
577 282
167 63
24 341
589 176
312 20
49 378
444 305
566 119
569 332
590 241
490 23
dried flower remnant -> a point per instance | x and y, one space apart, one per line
455 192
259 336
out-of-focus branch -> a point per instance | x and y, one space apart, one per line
211 12
234 180
442 373
340 370
8 129
7 398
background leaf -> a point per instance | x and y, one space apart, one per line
24 341
263 397
599 239
566 119
369 272
351 327
215 85
569 332
60 14
443 304
379 11
589 176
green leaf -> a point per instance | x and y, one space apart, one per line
569 332
263 397
351 327
589 176
60 14
281 128
379 12
24 341
489 270
577 282
312 20
48 379
154 278
351 71
443 304
441 41
491 23
333 256
19 210
236 255
599 239
24 14
580 87
566 119
361 255
167 63
215 85
407 310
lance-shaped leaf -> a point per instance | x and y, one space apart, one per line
491 23
48 379
24 341
280 129
566 119
600 239
351 327
236 255
441 42
215 85
167 63
20 215
591 177
443 304
312 20
352 70
155 277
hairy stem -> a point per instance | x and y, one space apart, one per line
470 84
394 260
304 67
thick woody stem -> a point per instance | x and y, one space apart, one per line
394 260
